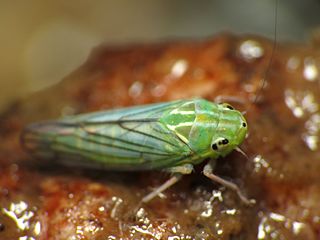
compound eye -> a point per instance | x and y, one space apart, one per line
214 147
224 142
219 143
227 106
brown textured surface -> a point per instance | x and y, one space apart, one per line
282 172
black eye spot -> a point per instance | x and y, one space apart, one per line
244 124
225 141
214 146
229 107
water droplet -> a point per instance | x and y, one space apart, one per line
179 68
312 126
159 90
251 50
277 217
101 209
292 102
271 223
230 211
260 163
37 228
136 89
310 71
293 63
20 214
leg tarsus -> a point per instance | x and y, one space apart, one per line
207 171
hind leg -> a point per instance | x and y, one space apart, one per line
178 172
208 172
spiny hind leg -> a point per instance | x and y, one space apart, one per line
208 172
178 172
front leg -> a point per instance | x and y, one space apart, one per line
208 172
178 172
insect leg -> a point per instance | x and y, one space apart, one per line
171 181
208 172
183 169
178 171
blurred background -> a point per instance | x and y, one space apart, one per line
42 41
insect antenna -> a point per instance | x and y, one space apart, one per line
238 149
274 46
266 73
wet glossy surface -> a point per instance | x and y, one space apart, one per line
45 201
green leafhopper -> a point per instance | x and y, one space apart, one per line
172 136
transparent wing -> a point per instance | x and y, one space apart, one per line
127 139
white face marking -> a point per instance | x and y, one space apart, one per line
176 111
214 114
188 124
203 124
185 124
183 138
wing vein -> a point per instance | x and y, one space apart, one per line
120 147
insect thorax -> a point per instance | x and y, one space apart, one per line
193 122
